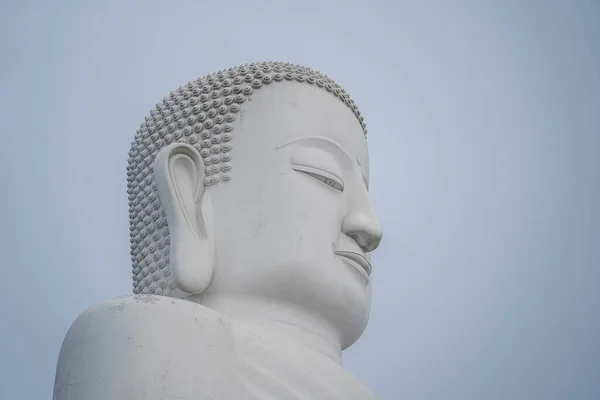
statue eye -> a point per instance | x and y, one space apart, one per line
323 176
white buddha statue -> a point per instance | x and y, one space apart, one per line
251 228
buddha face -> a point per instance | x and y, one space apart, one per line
295 222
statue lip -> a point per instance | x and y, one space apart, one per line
356 258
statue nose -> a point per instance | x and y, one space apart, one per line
363 226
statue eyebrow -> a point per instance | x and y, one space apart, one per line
318 139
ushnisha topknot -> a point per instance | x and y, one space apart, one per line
201 114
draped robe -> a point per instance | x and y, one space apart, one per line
154 347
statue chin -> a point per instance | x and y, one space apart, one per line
341 301
251 233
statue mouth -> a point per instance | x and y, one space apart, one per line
357 260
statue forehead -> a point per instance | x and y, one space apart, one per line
292 113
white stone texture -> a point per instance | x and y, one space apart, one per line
252 287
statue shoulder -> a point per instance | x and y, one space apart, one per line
150 316
145 343
147 307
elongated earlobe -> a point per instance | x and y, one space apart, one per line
179 174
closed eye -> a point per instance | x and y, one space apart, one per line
323 176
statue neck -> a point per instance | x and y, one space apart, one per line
289 320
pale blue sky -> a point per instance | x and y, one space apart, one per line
484 132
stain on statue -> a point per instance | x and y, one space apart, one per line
251 233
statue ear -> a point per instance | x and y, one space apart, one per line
179 173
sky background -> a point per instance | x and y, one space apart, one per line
484 135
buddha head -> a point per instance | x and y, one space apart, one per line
253 181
